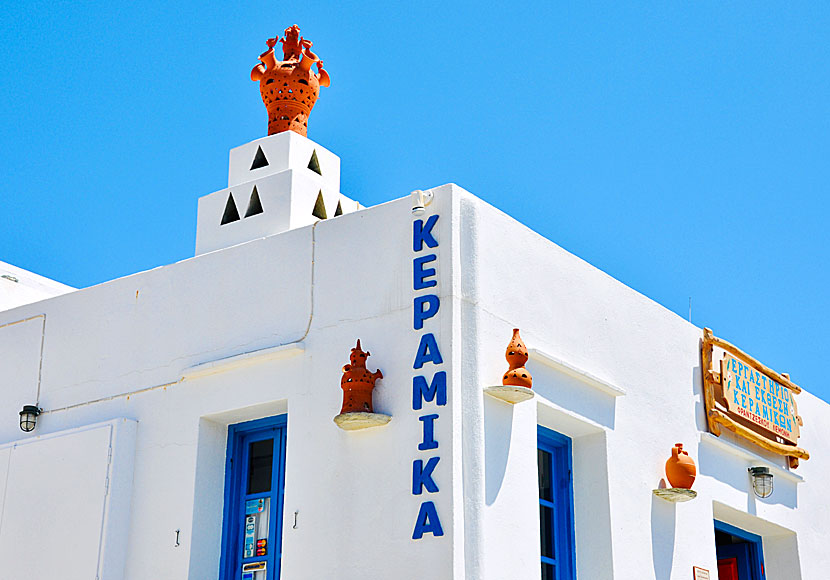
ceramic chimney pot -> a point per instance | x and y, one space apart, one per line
288 88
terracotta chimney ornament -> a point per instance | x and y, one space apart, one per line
289 89
358 383
517 381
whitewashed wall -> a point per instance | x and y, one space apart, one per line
577 314
264 327
187 349
65 503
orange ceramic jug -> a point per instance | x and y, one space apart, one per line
516 354
680 468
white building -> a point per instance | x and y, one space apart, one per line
182 403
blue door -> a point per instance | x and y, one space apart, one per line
740 553
254 482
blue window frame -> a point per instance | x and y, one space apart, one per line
254 485
745 548
556 506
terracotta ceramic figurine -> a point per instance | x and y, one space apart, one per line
680 468
516 354
357 383
289 89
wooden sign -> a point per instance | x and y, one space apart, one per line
759 399
751 400
700 573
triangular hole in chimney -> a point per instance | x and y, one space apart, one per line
231 213
259 159
339 210
254 206
319 207
314 164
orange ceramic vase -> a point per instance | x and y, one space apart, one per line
680 468
516 355
357 383
288 88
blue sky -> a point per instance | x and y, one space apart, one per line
681 147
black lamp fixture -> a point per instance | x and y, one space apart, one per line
761 481
28 418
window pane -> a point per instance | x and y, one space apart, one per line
548 571
544 460
546 531
260 464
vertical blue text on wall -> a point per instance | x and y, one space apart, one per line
429 387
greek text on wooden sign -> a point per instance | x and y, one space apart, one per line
757 398
751 400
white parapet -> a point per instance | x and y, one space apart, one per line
19 287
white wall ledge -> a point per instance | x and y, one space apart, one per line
553 416
576 372
242 360
756 460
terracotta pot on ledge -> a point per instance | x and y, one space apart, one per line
516 354
516 382
358 383
680 468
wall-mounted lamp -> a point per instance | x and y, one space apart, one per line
28 418
761 481
420 200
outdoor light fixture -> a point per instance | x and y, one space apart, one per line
761 481
28 418
420 200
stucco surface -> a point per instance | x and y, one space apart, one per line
263 327
574 311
